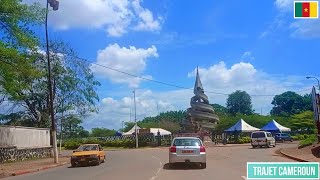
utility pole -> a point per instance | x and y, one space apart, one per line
55 5
135 118
61 126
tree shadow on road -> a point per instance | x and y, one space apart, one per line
181 166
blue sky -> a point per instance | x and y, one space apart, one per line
249 45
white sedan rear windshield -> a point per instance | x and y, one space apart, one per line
187 142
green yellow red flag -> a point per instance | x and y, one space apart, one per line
305 9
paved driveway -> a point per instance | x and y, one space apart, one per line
228 163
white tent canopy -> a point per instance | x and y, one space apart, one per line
132 130
162 131
275 127
242 126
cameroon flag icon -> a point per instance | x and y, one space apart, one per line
305 9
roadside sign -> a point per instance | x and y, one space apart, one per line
282 170
315 104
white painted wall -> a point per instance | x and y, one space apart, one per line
24 136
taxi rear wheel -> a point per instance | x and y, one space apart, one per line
73 164
104 159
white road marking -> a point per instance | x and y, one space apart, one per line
243 177
159 169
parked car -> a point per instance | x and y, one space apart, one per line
262 138
187 150
88 154
282 137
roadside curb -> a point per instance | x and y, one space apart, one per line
292 157
17 173
228 145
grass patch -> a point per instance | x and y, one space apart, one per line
308 141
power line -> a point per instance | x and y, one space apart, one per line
169 84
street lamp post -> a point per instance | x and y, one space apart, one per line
317 123
55 6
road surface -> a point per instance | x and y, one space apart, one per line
227 163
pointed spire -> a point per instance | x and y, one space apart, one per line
198 84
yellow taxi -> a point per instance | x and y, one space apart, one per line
88 154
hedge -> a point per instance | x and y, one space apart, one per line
125 143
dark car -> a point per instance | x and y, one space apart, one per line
282 137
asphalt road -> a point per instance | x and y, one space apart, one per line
227 163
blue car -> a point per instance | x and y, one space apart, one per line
283 137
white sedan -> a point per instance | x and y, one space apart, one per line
187 150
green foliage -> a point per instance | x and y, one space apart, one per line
289 103
127 126
102 132
73 86
243 140
303 121
308 141
71 127
219 110
301 137
16 21
125 143
239 102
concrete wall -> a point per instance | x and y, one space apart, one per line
24 137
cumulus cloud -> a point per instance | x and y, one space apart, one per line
130 60
115 16
113 111
217 78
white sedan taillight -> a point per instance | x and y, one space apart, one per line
202 149
173 149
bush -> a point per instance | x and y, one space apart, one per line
308 141
72 144
301 137
125 143
243 140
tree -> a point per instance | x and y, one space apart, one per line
71 127
127 126
102 132
73 86
220 110
239 102
303 122
16 40
289 103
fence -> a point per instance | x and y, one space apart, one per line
24 137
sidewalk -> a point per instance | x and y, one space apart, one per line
30 166
302 155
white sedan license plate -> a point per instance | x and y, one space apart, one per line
187 151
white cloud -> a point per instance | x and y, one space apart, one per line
115 16
303 29
147 21
284 5
247 56
130 60
113 111
216 78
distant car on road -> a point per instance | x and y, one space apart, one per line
262 138
187 150
88 154
282 137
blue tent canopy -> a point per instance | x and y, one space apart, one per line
274 126
241 126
